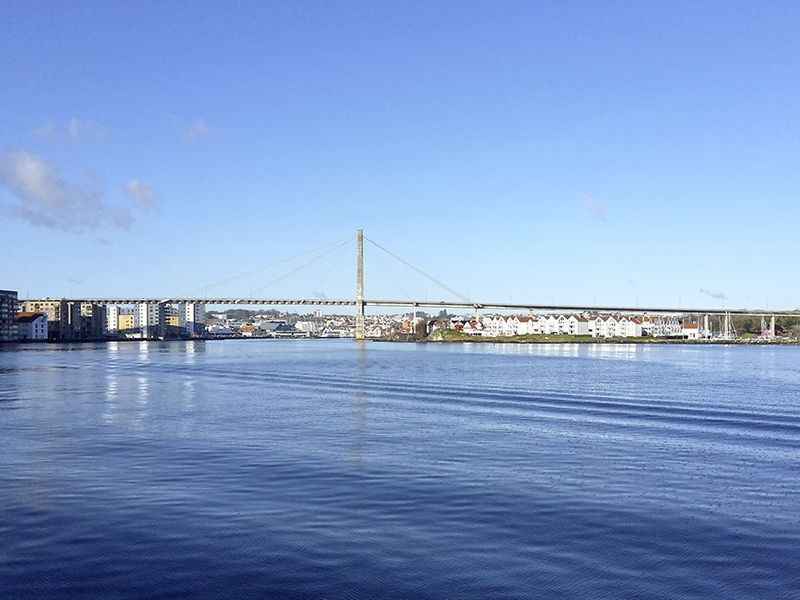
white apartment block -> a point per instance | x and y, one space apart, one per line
112 318
307 326
149 318
192 318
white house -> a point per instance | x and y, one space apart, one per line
577 325
526 325
629 327
690 331
31 326
607 327
548 324
661 326
473 328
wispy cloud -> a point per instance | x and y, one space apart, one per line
48 130
715 295
74 129
197 130
595 209
141 195
38 194
77 129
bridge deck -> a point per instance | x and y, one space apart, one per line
533 307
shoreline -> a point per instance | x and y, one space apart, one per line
452 340
556 339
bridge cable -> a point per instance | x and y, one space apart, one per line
303 266
392 275
335 264
263 268
421 272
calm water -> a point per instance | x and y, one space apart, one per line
303 469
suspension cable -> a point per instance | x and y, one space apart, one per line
395 279
335 264
265 267
421 272
303 266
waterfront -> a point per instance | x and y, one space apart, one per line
324 468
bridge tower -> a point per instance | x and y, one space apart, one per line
360 333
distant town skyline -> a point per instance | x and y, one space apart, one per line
573 153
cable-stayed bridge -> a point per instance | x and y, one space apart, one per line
360 302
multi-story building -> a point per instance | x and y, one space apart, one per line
63 318
192 318
119 319
92 321
112 318
126 322
662 326
577 325
307 326
150 319
9 304
32 326
52 308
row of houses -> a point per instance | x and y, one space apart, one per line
601 326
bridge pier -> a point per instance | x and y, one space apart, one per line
768 330
414 308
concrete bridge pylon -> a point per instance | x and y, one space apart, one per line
360 330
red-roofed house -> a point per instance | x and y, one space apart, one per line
31 326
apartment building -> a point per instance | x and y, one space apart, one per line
9 304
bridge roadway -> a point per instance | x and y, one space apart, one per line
443 305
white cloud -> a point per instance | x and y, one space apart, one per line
197 130
595 209
74 129
38 194
142 195
83 128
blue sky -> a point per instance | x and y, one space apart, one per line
609 153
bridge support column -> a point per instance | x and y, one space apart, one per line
772 326
360 329
706 327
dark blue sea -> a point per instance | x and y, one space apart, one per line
331 469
